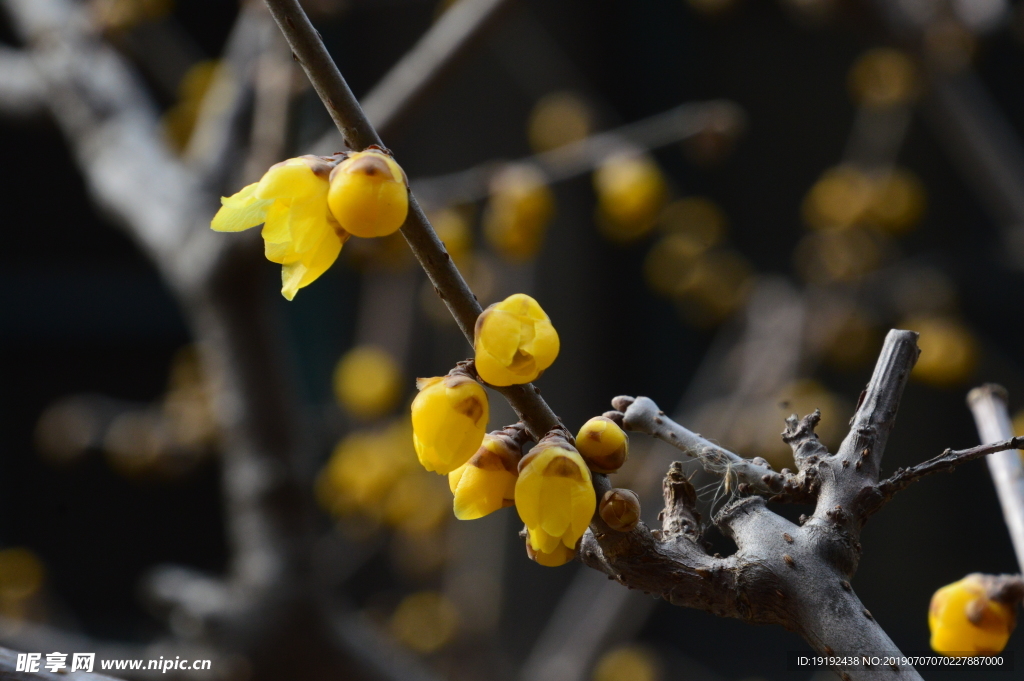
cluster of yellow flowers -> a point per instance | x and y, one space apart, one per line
309 206
551 486
965 618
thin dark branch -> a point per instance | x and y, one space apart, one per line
309 49
943 463
675 125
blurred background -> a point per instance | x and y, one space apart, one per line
722 204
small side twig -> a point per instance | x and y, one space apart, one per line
943 463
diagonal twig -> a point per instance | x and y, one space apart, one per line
359 133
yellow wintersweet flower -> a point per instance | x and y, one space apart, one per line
487 481
368 194
298 230
449 419
964 618
514 341
554 495
603 445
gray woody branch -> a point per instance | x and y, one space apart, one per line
989 406
796 576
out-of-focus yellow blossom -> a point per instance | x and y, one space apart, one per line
846 196
839 198
883 77
449 419
21 574
620 508
557 119
487 481
628 663
898 202
124 15
452 228
298 230
554 494
363 469
368 195
367 381
603 445
179 120
417 503
425 621
560 556
965 619
517 215
631 191
514 341
949 351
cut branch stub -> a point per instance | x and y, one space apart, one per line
680 516
800 436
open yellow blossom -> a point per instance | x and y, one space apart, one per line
554 495
603 445
487 481
965 619
514 341
298 231
449 419
368 194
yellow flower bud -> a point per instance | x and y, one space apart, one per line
517 215
367 381
449 418
630 193
298 231
620 508
514 341
603 445
560 556
554 495
368 194
487 481
964 618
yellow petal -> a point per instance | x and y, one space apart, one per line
545 344
311 266
276 230
240 211
293 179
500 335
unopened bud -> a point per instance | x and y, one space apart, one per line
603 444
620 509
